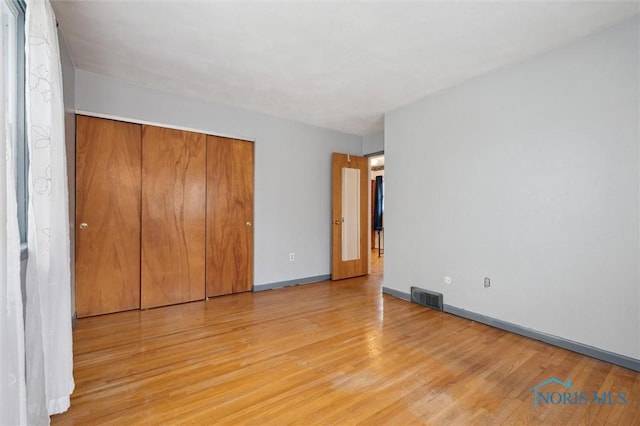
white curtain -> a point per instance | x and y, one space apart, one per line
49 357
12 374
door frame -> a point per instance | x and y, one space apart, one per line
368 157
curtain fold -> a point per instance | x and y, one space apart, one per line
12 369
49 356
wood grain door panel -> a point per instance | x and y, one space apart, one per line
230 164
107 264
341 269
173 216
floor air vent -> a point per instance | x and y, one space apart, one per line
430 299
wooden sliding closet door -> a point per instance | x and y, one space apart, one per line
173 216
107 216
229 216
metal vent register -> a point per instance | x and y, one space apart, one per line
430 299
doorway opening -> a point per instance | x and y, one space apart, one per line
376 173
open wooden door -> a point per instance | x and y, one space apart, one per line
350 211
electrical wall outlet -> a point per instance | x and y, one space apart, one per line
487 282
292 257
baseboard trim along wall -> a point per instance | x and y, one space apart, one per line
281 284
395 293
601 354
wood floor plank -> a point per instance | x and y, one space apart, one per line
325 353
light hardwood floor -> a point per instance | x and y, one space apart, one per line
325 353
377 263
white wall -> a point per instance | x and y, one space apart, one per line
376 173
528 175
292 168
373 143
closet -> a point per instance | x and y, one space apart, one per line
174 178
108 161
229 216
163 216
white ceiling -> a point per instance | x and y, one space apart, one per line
339 65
